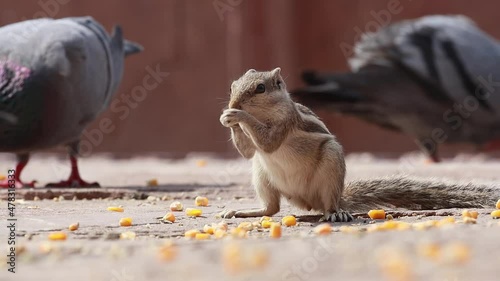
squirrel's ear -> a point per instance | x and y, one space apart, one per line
250 71
276 72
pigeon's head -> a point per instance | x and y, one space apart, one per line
256 90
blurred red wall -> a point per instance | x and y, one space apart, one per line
204 45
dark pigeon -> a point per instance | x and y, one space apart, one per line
56 77
434 78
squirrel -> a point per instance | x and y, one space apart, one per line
295 156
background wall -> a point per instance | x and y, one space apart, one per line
205 44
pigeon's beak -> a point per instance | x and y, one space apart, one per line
131 48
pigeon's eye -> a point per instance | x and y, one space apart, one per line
260 89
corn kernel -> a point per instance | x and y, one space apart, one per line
469 220
395 266
232 258
115 209
74 226
445 221
208 229
266 218
495 214
169 217
275 230
129 235
152 182
466 214
191 233
2 177
247 226
323 229
389 217
191 212
222 225
430 250
201 201
289 221
376 214
456 252
57 236
266 224
498 204
219 233
126 222
403 226
239 232
474 214
202 236
168 251
176 206
259 258
201 163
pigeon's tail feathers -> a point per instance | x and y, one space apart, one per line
128 47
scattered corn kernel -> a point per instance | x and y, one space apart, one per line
456 252
239 232
2 177
469 220
389 217
152 182
191 233
446 221
323 229
474 214
498 204
201 163
466 214
496 214
275 230
219 233
169 217
129 235
57 236
430 250
208 229
259 258
395 266
115 209
232 258
201 201
376 214
126 222
289 221
202 236
191 212
176 206
246 225
168 251
74 226
222 225
266 224
266 218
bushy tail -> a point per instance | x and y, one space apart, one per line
416 194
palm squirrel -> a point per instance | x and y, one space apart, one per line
295 156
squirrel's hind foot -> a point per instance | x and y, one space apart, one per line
340 216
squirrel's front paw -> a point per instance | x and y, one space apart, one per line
231 117
227 214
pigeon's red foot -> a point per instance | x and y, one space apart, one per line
17 183
73 183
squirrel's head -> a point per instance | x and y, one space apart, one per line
258 89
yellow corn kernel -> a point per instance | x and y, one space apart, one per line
115 209
469 220
289 221
126 222
275 230
389 217
201 163
239 232
445 221
456 252
129 235
246 225
466 214
191 233
74 226
191 212
202 236
266 224
232 258
57 236
219 233
201 201
169 217
208 229
495 214
168 251
474 214
430 250
222 225
498 204
394 265
176 206
424 225
3 177
259 258
266 218
152 182
376 214
323 229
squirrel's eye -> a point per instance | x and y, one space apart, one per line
260 89
279 84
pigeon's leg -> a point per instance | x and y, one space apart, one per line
22 161
74 180
430 150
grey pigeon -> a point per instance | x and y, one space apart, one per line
434 78
56 77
